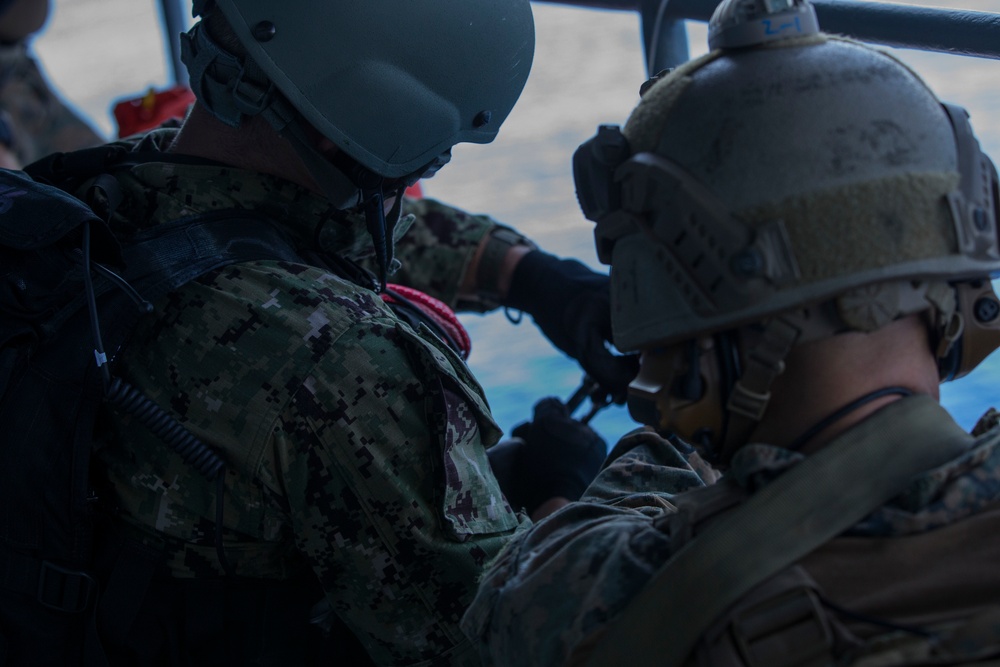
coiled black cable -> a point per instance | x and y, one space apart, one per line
175 435
122 395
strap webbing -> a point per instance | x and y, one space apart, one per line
804 508
169 255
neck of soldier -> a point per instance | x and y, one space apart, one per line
254 146
823 376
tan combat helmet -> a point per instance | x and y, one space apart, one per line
798 182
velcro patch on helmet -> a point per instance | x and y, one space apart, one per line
844 231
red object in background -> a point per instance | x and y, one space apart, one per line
436 311
144 113
151 110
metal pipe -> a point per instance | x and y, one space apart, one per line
960 32
624 5
954 31
664 39
174 24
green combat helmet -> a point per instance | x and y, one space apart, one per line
393 84
790 185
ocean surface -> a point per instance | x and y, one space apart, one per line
587 70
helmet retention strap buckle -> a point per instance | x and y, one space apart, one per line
252 91
751 394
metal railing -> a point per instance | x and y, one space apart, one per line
955 31
174 23
664 35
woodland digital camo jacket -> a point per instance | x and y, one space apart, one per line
355 445
926 558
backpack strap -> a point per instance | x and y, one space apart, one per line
165 257
790 517
780 623
156 261
972 642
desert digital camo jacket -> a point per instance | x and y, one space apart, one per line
354 444
927 557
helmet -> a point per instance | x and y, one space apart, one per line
392 84
802 183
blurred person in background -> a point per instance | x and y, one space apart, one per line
36 121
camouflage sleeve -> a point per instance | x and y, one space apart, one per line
355 448
552 591
382 460
437 250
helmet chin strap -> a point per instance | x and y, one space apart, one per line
342 191
231 90
751 394
368 193
379 228
336 186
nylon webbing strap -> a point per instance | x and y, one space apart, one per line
766 361
752 392
201 243
809 505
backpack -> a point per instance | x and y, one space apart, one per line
61 327
71 293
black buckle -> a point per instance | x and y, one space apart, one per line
61 589
790 629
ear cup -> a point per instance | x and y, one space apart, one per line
979 307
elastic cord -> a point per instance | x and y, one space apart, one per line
424 315
842 412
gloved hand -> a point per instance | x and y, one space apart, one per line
559 457
572 306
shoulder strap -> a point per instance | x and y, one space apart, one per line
167 256
801 510
45 549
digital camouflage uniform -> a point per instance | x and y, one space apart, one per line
355 446
40 122
927 557
436 250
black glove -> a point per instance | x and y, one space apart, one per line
572 306
559 457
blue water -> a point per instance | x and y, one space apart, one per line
525 368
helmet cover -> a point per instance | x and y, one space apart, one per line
761 180
802 183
